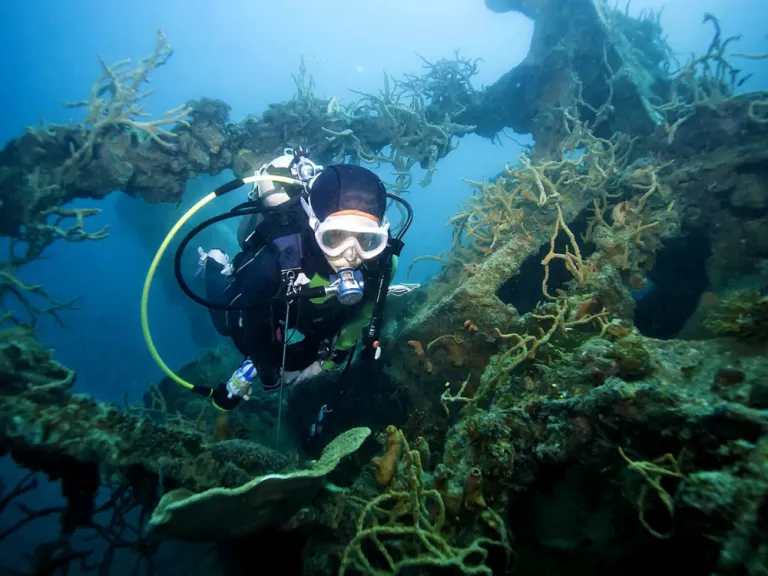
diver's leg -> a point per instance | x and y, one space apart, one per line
269 376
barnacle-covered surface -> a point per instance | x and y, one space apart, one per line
44 423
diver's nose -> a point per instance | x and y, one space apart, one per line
350 253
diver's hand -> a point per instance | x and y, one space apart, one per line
370 353
221 258
223 400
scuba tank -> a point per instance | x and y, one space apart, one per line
281 217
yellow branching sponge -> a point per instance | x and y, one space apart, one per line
402 529
473 491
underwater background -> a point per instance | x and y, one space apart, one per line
248 55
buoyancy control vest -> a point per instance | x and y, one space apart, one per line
278 254
387 265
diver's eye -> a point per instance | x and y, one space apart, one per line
368 241
334 238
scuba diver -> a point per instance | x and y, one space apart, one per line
342 234
311 279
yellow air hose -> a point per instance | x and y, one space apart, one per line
159 254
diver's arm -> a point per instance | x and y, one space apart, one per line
239 387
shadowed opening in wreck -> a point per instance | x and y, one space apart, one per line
523 290
572 522
675 285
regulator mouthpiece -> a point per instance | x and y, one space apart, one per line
350 286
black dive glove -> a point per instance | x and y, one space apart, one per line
222 399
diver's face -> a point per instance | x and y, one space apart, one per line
348 259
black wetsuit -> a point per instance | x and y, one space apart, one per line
281 246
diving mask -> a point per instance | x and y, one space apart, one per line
340 232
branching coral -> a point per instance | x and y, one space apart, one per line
114 105
652 472
505 208
403 529
573 260
447 85
638 223
113 110
445 338
447 398
33 300
581 160
24 295
47 228
452 344
415 117
191 415
413 138
526 345
707 81
44 225
60 555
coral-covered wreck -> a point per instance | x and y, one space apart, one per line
582 389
